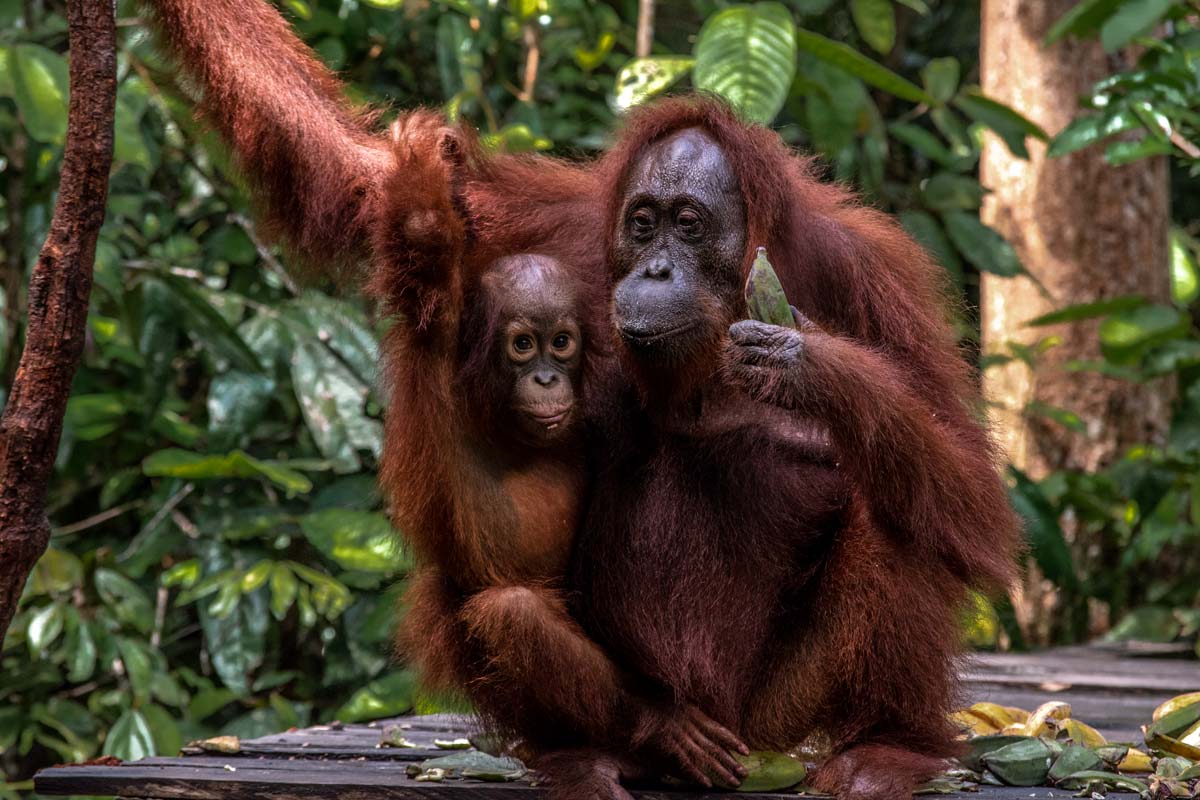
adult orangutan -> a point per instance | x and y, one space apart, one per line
782 524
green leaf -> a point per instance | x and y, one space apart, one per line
1120 153
1185 272
126 598
130 739
925 229
40 86
1126 335
129 146
924 143
237 643
388 696
1085 18
1148 624
283 590
333 402
56 571
770 772
845 57
256 576
941 76
1010 126
747 55
643 78
139 667
163 728
1134 18
1085 131
237 401
876 23
1043 531
1023 763
947 192
765 298
175 463
206 325
81 653
1081 311
388 5
44 628
356 540
981 245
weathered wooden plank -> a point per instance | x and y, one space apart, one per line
1085 668
306 780
293 780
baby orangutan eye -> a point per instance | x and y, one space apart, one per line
521 347
563 344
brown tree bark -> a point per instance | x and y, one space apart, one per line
59 289
1087 231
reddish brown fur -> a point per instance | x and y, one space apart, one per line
795 569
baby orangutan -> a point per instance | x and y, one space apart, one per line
482 465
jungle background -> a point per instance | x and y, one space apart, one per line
220 559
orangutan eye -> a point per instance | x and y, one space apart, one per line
690 224
642 223
522 343
562 341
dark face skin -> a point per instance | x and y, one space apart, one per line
679 248
539 351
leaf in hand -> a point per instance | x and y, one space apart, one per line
764 294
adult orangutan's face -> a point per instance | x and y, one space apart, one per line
679 248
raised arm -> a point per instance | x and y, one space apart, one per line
308 153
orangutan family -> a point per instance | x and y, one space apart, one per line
650 532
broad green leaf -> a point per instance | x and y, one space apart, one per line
1043 531
1024 763
854 62
928 231
924 143
388 696
747 55
175 463
93 416
876 23
56 571
1009 125
139 667
643 78
237 401
1126 335
333 401
1148 624
125 597
1120 153
946 191
356 540
389 5
1088 130
770 772
1085 18
256 576
1132 19
206 325
237 643
981 245
81 653
130 739
44 627
1081 311
516 138
941 76
589 58
163 728
40 86
283 590
1185 272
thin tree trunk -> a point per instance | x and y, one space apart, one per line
1086 230
59 289
645 28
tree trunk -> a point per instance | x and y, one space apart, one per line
59 289
1086 230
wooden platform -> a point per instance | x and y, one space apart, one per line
1113 690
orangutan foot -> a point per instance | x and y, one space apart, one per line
875 772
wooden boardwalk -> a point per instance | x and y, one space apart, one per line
1111 690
